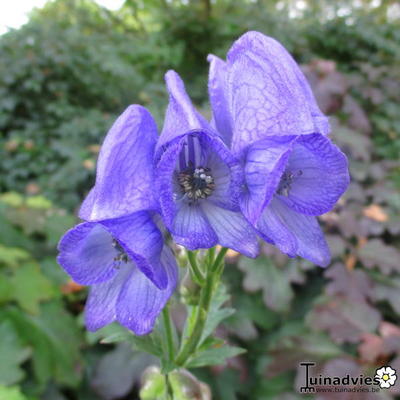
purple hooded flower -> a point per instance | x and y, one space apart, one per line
265 111
198 180
120 251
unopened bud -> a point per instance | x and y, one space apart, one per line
186 386
152 384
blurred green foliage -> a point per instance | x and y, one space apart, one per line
72 69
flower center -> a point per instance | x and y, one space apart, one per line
121 257
385 377
197 183
286 181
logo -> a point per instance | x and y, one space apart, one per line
307 388
387 377
384 378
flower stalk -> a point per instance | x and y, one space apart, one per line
213 273
169 338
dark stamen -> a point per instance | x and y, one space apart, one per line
286 181
121 257
196 183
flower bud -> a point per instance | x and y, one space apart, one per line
152 383
186 386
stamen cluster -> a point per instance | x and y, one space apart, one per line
286 181
196 183
121 257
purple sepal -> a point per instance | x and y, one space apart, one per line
88 251
125 170
293 233
130 298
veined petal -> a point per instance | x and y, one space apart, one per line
273 230
218 92
124 169
140 302
100 308
139 236
87 254
268 94
228 182
181 117
265 161
294 233
192 229
324 175
232 229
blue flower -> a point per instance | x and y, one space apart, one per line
264 110
199 180
120 251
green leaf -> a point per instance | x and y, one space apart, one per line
12 199
150 344
251 312
56 339
214 356
12 256
11 236
56 224
30 287
11 393
262 274
217 314
52 270
12 353
115 333
38 202
6 290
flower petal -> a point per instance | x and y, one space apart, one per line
228 182
139 236
140 302
218 92
181 117
268 92
272 229
232 229
265 161
324 175
192 229
294 233
124 169
87 254
100 308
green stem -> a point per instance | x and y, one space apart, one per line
168 333
220 258
211 280
169 395
197 273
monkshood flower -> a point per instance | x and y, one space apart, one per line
198 180
265 111
120 251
